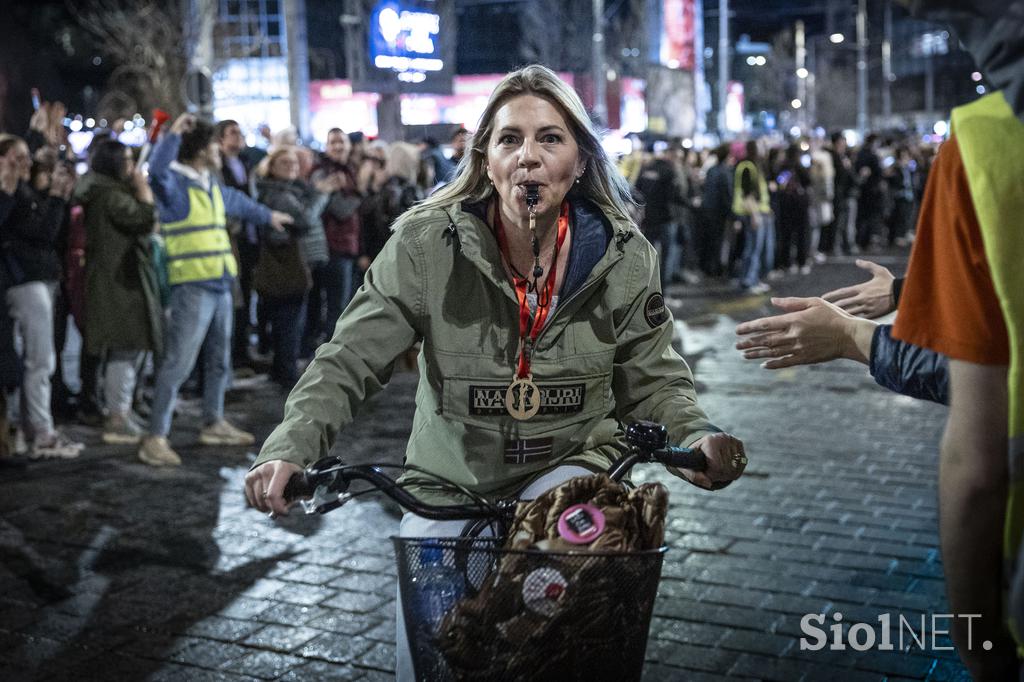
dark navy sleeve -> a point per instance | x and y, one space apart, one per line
908 369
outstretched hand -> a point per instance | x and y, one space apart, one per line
872 298
810 331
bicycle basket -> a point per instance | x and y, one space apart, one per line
475 611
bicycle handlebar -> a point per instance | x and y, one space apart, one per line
330 476
337 476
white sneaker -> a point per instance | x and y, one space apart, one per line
820 258
223 433
775 275
805 270
758 289
55 446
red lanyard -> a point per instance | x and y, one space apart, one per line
529 327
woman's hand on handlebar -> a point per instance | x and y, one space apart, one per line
264 486
726 457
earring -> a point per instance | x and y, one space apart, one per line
577 181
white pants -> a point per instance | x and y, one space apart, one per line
119 378
31 307
414 526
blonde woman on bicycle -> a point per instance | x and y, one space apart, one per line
539 308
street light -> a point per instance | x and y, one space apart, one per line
802 72
837 38
796 104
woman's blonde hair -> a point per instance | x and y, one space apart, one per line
403 160
275 153
601 182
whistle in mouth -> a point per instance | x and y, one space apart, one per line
532 196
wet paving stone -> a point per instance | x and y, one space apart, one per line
335 648
281 637
223 629
344 623
291 614
356 602
265 665
323 672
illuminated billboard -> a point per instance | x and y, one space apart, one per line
678 34
407 46
405 40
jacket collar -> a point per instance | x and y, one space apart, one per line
204 179
467 224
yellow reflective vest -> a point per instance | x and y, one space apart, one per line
198 247
991 140
738 206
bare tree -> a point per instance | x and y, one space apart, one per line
149 42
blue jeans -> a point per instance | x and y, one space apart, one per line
758 249
196 314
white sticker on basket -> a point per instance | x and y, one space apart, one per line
543 590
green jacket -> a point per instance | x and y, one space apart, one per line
604 358
122 300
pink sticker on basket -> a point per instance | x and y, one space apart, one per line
580 524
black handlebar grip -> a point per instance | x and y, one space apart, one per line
300 485
683 458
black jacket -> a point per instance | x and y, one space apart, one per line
908 369
28 236
657 184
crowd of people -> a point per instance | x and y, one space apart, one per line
753 211
243 255
139 259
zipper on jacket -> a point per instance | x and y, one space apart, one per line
579 292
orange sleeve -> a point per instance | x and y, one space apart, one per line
948 302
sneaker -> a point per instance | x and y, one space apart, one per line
820 258
776 275
55 446
805 270
223 433
758 289
156 451
120 429
793 269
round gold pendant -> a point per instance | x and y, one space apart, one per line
522 399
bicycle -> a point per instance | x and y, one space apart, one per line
475 609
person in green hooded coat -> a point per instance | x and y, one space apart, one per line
123 313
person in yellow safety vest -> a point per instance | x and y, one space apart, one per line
964 297
751 205
193 208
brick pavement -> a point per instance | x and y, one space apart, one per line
171 578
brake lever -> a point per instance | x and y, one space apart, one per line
324 500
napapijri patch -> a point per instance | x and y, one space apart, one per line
489 400
527 450
655 311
